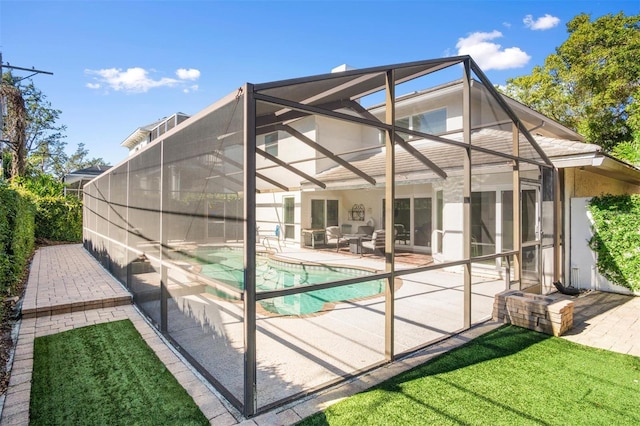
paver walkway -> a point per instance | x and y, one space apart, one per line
68 288
606 321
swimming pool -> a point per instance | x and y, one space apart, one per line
226 265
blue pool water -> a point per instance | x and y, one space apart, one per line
225 265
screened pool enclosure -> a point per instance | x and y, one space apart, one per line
298 233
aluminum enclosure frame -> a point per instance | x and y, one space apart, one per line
273 106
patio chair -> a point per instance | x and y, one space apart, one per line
365 230
376 243
401 234
334 236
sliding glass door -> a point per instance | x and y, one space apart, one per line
412 221
422 222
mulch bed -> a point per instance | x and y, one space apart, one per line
8 318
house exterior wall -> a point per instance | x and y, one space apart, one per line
453 203
451 102
484 110
270 213
339 136
290 149
583 183
579 260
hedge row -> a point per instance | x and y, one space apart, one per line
25 217
616 238
58 218
17 230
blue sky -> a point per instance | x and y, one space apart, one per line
119 65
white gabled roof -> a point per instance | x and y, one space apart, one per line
142 133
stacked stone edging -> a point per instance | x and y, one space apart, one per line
532 311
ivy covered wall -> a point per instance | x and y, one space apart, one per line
616 238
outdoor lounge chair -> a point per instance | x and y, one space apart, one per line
334 236
376 244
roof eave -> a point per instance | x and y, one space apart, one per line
135 138
602 164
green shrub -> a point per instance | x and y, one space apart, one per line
17 227
40 184
24 217
58 218
616 238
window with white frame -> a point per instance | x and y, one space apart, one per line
433 122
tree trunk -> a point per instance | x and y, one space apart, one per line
14 130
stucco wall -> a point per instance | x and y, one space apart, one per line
270 210
582 183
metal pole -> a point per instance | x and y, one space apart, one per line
164 270
516 206
466 190
389 246
557 226
250 370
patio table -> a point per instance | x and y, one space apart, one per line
355 242
312 236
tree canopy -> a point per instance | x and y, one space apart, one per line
591 84
34 138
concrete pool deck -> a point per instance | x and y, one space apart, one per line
69 289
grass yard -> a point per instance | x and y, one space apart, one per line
105 375
509 376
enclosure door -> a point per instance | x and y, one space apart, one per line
530 234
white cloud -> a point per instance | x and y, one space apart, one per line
188 74
489 55
137 80
543 23
192 88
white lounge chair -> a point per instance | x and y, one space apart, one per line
376 243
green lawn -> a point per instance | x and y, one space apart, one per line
510 376
105 375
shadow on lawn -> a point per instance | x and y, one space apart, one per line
503 342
